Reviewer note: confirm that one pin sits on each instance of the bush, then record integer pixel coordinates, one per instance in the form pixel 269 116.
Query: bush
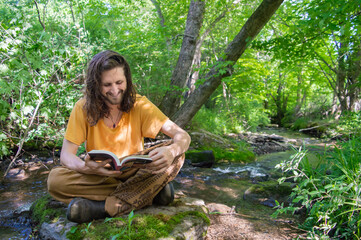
pixel 329 192
pixel 350 123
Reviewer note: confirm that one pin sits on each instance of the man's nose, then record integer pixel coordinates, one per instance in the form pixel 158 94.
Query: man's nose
pixel 113 89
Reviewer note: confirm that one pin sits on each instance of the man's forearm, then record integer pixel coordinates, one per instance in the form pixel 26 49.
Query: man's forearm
pixel 180 144
pixel 72 162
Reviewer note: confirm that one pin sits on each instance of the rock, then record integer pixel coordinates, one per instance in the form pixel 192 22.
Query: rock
pixel 192 221
pixel 190 228
pixel 266 194
pixel 219 208
pixel 265 143
pixel 55 231
pixel 208 139
pixel 203 159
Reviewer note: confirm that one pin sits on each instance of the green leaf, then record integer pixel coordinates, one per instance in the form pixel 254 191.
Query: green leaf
pixel 28 109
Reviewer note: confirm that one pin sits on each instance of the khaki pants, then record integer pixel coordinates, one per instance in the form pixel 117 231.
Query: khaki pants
pixel 134 190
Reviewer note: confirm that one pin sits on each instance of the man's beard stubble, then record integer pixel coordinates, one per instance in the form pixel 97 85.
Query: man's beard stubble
pixel 114 101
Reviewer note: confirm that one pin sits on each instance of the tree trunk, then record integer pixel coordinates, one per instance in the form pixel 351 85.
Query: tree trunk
pixel 162 23
pixel 172 98
pixel 354 75
pixel 299 101
pixel 194 74
pixel 280 101
pixel 233 52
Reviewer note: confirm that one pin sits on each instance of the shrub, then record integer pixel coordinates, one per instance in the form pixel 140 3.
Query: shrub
pixel 329 192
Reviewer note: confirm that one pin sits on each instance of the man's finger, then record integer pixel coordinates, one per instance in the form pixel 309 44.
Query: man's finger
pixel 105 162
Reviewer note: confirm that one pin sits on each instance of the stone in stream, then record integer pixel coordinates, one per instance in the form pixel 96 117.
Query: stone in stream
pixel 203 159
pixel 267 193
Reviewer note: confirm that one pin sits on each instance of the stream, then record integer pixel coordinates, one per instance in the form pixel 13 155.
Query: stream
pixel 224 183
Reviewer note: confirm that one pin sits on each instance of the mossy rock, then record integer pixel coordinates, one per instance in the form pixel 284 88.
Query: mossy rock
pixel 267 192
pixel 204 139
pixel 183 219
pixel 272 188
pixel 176 221
pixel 46 209
pixel 140 227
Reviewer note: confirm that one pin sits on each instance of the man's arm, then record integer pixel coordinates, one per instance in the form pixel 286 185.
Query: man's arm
pixel 69 159
pixel 164 156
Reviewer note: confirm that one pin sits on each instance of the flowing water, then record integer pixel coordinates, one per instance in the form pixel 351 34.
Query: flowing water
pixel 224 183
pixel 17 193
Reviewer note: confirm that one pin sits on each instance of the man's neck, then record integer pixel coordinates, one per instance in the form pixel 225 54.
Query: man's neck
pixel 113 108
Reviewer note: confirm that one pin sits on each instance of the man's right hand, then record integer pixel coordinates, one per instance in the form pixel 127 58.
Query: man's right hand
pixel 70 160
pixel 98 168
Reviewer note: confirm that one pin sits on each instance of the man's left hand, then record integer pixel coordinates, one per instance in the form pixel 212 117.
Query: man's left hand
pixel 162 159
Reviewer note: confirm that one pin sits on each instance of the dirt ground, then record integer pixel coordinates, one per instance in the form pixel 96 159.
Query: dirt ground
pixel 229 225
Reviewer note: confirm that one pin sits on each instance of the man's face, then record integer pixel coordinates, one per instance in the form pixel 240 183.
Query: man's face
pixel 113 85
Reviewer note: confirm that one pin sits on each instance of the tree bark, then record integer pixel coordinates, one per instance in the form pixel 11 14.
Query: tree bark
pixel 299 101
pixel 223 67
pixel 347 71
pixel 161 22
pixel 194 75
pixel 172 98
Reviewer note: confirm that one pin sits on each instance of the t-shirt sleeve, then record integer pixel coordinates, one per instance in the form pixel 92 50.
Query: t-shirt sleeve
pixel 76 131
pixel 152 118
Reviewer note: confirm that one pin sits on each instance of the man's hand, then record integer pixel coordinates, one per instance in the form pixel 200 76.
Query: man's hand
pixel 162 159
pixel 98 168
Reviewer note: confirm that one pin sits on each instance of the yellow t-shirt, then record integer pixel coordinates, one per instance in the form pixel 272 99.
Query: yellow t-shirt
pixel 143 120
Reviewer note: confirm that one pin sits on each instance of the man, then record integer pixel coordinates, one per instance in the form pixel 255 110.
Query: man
pixel 111 116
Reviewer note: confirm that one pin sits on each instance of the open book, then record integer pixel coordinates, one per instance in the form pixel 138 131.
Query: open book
pixel 116 163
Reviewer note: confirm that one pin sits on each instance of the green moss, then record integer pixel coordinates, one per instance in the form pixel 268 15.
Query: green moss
pixel 178 218
pixel 272 188
pixel 230 155
pixel 143 227
pixel 41 211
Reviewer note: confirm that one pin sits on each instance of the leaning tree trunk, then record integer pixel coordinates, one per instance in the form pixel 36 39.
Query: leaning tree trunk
pixel 223 67
pixel 194 71
pixel 172 98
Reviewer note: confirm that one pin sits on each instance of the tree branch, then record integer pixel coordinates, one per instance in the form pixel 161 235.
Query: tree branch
pixel 37 8
pixel 159 12
pixel 25 135
pixel 233 52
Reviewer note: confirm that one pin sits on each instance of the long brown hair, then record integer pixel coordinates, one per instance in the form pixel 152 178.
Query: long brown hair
pixel 95 106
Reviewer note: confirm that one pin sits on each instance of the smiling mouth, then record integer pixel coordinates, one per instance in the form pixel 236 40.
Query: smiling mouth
pixel 119 94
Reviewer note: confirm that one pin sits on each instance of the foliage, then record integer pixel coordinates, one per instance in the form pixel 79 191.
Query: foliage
pixel 241 115
pixel 350 124
pixel 328 191
pixel 40 69
pixel 45 46
pixel 133 227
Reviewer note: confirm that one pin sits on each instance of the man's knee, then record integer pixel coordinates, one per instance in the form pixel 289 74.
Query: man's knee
pixel 56 182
